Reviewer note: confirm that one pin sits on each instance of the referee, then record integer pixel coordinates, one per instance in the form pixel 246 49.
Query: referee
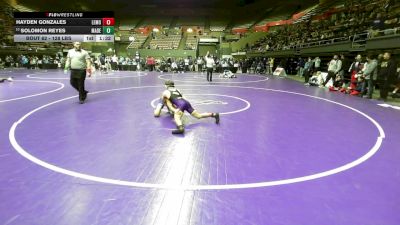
pixel 78 61
pixel 209 64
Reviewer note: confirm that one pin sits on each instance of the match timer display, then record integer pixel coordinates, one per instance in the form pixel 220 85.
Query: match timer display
pixel 64 26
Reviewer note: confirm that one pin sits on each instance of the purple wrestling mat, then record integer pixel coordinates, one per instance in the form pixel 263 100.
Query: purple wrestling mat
pixel 283 154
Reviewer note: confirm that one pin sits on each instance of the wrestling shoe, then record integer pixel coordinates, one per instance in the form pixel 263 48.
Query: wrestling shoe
pixel 179 130
pixel 216 116
pixel 85 95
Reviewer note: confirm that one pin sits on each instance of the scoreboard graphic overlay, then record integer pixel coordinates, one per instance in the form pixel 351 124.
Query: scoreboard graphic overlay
pixel 64 26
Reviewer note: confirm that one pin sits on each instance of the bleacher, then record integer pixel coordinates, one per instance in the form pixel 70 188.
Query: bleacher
pixel 348 23
pixel 217 28
pixel 138 42
pixel 165 42
pixel 123 35
pixel 318 9
pixel 242 26
pixel 218 24
pixel 272 19
pixel 191 42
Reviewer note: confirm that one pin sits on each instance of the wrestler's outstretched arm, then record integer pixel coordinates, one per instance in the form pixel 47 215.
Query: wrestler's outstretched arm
pixel 159 106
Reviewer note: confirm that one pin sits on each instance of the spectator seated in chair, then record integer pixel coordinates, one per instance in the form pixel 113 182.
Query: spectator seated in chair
pixel 337 84
pixel 355 87
pixel 316 79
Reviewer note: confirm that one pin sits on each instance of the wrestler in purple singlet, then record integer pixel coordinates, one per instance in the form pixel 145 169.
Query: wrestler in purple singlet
pixel 180 103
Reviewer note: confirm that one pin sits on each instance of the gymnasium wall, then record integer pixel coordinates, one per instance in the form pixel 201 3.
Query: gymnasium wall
pixel 203 49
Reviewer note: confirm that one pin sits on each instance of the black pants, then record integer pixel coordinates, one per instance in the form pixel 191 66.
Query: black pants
pixel 306 74
pixel 384 88
pixel 209 74
pixel 113 65
pixel 77 81
pixel 330 75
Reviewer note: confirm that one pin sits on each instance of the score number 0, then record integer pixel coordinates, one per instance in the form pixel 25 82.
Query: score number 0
pixel 108 21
